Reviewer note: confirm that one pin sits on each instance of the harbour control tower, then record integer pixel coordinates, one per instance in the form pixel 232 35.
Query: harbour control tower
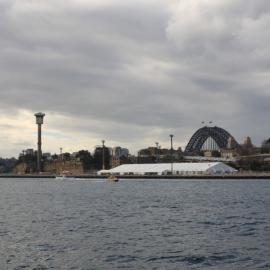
pixel 39 121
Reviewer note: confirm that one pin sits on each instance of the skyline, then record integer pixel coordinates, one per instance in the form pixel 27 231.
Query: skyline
pixel 132 72
pixel 91 149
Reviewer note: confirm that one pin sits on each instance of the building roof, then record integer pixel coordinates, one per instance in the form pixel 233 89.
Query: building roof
pixel 211 167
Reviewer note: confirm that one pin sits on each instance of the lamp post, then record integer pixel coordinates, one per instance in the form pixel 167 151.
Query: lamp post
pixel 103 154
pixel 39 121
pixel 61 153
pixel 157 153
pixel 171 136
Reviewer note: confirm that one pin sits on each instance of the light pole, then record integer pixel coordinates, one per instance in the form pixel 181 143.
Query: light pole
pixel 171 136
pixel 61 153
pixel 157 157
pixel 39 121
pixel 103 154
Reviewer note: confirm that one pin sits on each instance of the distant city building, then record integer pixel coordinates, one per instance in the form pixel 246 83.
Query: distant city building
pixel 247 142
pixel 247 148
pixel 30 151
pixel 266 146
pixel 72 167
pixel 211 153
pixel 230 153
pixel 150 151
pixel 47 156
pixel 74 154
pixel 120 152
pixel 27 162
pixel 119 156
pixel 232 144
pixel 24 168
pixel 158 155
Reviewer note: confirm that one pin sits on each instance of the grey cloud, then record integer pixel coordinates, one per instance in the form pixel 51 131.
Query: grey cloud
pixel 142 65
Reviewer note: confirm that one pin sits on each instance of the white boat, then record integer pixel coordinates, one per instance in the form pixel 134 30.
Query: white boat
pixel 113 178
pixel 61 177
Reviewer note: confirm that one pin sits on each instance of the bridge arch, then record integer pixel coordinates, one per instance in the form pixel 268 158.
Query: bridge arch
pixel 219 135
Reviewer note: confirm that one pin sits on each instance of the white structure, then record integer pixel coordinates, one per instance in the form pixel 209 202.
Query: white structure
pixel 165 168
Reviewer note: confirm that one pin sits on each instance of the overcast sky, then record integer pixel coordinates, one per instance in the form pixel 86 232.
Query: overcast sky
pixel 132 71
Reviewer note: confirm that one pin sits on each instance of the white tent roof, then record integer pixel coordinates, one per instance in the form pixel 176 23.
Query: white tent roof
pixel 211 167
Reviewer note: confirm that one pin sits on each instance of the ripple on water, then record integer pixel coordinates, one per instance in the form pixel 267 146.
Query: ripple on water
pixel 134 225
pixel 196 259
pixel 265 265
pixel 21 267
pixel 121 258
pixel 4 233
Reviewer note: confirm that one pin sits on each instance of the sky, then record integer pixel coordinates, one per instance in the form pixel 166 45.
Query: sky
pixel 132 72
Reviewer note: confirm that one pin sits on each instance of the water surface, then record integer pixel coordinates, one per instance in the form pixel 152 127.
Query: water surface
pixel 134 224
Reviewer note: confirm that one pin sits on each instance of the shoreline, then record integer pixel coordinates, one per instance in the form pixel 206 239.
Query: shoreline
pixel 92 176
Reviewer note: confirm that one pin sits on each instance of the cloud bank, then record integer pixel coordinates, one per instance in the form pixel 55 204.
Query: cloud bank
pixel 132 72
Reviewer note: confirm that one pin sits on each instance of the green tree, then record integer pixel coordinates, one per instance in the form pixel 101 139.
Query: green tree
pixel 86 158
pixel 98 158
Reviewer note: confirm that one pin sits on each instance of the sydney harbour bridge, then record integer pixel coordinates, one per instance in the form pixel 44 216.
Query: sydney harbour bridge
pixel 208 138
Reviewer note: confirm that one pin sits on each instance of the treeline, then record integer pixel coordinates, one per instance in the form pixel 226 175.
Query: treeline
pixel 7 164
pixel 90 162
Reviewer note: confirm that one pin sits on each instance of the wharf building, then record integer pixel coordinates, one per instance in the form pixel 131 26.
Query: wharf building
pixel 159 155
pixel 236 151
pixel 51 164
pixel 59 166
pixel 27 162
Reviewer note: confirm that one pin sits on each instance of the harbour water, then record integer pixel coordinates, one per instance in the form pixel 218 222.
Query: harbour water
pixel 134 224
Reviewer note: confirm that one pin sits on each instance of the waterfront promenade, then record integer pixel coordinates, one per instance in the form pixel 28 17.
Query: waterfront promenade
pixel 244 175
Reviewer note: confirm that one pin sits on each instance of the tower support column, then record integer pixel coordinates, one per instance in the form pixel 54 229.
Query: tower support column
pixel 39 121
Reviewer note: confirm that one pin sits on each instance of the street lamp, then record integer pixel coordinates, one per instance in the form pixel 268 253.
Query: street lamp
pixel 61 153
pixel 157 157
pixel 103 154
pixel 39 121
pixel 171 136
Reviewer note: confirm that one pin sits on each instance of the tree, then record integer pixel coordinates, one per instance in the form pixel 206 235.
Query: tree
pixel 98 158
pixel 86 158
pixel 66 156
pixel 7 165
